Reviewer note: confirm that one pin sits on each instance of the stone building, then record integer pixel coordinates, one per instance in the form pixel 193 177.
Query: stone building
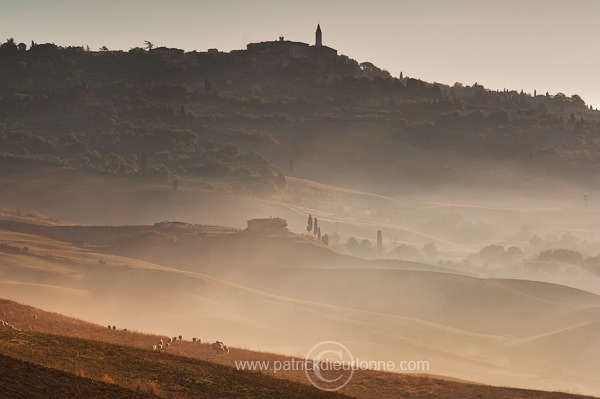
pixel 285 49
pixel 267 226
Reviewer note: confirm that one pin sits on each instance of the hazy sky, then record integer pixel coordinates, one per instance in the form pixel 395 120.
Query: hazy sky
pixel 546 45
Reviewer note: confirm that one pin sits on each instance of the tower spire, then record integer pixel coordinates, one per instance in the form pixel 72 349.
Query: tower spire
pixel 319 36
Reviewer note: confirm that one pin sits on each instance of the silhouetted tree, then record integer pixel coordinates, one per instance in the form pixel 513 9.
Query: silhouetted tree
pixel 22 47
pixel 319 234
pixel 9 48
pixel 577 100
pixel 310 223
pixel 103 48
pixel 148 45
pixel 315 226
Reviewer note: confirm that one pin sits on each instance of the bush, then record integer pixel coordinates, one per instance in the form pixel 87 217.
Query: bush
pixel 561 255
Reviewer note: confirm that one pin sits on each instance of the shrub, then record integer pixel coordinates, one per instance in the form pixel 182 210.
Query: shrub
pixel 561 255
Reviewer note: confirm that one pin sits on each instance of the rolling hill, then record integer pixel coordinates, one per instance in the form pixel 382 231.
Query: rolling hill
pixel 465 327
pixel 187 369
pixel 459 227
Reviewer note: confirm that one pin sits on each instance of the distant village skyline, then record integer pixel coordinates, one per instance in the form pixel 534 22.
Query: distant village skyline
pixel 543 45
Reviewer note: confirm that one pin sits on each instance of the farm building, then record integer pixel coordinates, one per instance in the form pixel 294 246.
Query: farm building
pixel 267 226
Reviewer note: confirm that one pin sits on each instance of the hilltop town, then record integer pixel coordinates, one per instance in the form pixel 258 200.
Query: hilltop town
pixel 280 51
pixel 243 120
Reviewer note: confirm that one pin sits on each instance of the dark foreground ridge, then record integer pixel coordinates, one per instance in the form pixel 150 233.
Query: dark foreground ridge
pixel 20 379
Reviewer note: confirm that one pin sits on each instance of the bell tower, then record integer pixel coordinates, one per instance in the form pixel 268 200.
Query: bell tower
pixel 318 36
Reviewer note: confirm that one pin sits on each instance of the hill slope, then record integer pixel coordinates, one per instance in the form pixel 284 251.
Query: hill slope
pixel 138 113
pixel 381 314
pixel 171 376
pixel 178 375
pixel 20 379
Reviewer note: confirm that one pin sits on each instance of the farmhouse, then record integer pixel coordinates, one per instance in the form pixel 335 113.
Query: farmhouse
pixel 267 226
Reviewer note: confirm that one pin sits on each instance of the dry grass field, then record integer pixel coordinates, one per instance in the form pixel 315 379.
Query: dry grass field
pixel 192 370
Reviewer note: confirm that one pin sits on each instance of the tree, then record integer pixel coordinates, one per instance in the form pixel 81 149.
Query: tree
pixel 148 45
pixel 310 224
pixel 367 66
pixel 577 100
pixel 22 47
pixel 379 240
pixel 103 48
pixel 513 252
pixel 315 226
pixel 325 239
pixel 9 48
pixel 561 255
pixel 352 245
pixel 319 234
pixel 492 253
pixel 366 249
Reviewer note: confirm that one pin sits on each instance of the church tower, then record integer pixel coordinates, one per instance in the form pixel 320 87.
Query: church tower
pixel 319 36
